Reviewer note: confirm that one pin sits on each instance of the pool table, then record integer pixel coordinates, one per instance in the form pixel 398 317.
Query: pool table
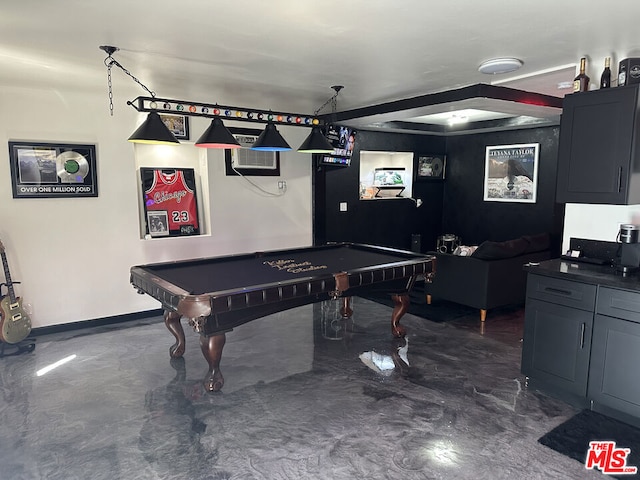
pixel 220 293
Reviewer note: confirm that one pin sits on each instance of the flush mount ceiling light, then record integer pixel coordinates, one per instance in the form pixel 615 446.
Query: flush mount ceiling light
pixel 456 119
pixel 500 65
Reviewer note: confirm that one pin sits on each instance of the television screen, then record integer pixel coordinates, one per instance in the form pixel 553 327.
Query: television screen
pixel 342 140
pixel 388 177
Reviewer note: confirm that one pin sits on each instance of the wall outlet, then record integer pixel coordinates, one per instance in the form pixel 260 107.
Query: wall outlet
pixel 282 184
pixel 343 206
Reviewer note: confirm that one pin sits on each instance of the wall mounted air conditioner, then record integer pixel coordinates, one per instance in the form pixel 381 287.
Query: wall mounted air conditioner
pixel 246 158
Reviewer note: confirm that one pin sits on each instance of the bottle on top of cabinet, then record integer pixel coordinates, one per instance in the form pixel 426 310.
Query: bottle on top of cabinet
pixel 605 78
pixel 581 82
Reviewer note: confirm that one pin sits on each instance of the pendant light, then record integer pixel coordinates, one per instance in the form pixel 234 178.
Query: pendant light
pixel 217 136
pixel 270 140
pixel 154 131
pixel 316 142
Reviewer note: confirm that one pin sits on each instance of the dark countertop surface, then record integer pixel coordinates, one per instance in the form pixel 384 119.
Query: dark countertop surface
pixel 587 273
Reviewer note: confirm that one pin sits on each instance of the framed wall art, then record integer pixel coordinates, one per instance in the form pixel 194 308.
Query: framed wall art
pixel 429 167
pixel 177 124
pixel 511 173
pixel 49 170
pixel 170 202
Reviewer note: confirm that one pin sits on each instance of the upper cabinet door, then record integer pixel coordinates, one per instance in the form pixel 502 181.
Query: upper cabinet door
pixel 597 156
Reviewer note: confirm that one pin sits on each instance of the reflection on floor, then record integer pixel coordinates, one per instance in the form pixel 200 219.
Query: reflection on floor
pixel 298 403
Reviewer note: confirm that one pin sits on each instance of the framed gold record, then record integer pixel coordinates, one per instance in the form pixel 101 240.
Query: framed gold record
pixel 72 167
pixel 46 170
pixel 429 167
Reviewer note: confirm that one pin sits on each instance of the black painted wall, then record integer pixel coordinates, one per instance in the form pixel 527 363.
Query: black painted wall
pixel 387 222
pixel 467 215
pixel 454 205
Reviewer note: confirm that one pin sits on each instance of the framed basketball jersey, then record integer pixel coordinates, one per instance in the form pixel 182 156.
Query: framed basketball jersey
pixel 170 204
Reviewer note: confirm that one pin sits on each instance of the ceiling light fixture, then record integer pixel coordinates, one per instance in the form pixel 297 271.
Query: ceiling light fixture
pixel 153 130
pixel 316 142
pixel 270 140
pixel 217 136
pixel 456 119
pixel 500 65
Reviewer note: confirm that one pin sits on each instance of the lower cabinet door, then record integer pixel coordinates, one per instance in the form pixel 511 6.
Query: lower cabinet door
pixel 614 380
pixel 557 341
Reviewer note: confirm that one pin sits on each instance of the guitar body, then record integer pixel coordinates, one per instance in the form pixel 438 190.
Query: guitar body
pixel 15 324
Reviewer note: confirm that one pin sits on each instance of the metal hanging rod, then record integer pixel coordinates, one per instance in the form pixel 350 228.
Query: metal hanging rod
pixel 209 110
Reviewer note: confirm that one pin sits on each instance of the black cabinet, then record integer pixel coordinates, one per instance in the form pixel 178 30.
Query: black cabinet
pixel 614 378
pixel 597 155
pixel 557 335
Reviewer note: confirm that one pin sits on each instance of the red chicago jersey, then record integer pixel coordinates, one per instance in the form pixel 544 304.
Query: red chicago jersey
pixel 170 193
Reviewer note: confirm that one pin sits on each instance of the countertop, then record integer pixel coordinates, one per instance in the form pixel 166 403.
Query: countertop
pixel 586 273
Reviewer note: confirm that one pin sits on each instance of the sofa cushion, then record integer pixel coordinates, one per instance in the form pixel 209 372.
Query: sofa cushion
pixel 537 243
pixel 498 250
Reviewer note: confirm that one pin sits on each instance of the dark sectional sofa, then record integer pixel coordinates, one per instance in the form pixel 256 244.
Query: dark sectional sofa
pixel 492 276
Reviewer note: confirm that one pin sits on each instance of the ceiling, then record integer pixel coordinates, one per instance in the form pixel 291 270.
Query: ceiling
pixel 286 54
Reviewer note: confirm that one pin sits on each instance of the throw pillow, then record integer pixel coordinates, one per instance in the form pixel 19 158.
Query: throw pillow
pixel 498 250
pixel 464 251
pixel 537 243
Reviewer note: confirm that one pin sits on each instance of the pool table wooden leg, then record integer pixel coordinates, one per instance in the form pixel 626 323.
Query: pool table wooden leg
pixel 172 321
pixel 212 350
pixel 345 310
pixel 401 304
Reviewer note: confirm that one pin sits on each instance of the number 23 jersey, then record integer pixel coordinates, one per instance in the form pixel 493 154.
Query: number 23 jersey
pixel 169 192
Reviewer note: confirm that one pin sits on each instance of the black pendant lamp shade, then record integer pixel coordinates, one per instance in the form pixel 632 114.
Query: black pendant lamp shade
pixel 270 140
pixel 316 142
pixel 217 136
pixel 154 131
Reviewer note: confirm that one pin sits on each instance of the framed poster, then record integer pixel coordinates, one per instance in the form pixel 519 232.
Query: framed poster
pixel 511 173
pixel 430 167
pixel 177 124
pixel 49 170
pixel 170 202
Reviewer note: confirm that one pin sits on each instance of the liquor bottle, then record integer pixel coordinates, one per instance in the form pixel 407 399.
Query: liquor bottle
pixel 605 78
pixel 581 82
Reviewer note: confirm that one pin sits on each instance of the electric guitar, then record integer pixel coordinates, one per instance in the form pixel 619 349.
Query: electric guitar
pixel 15 324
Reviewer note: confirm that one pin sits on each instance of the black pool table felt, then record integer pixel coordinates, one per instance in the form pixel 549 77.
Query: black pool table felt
pixel 219 274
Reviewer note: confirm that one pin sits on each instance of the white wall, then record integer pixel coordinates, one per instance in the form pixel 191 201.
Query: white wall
pixel 73 255
pixel 596 222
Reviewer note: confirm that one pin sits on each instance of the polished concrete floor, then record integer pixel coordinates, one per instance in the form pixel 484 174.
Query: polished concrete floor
pixel 305 397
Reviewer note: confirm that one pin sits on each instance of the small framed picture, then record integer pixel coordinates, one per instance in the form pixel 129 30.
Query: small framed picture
pixel 177 124
pixel 429 167
pixel 158 222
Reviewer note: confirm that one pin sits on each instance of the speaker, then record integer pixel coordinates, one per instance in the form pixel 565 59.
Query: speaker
pixel 416 243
